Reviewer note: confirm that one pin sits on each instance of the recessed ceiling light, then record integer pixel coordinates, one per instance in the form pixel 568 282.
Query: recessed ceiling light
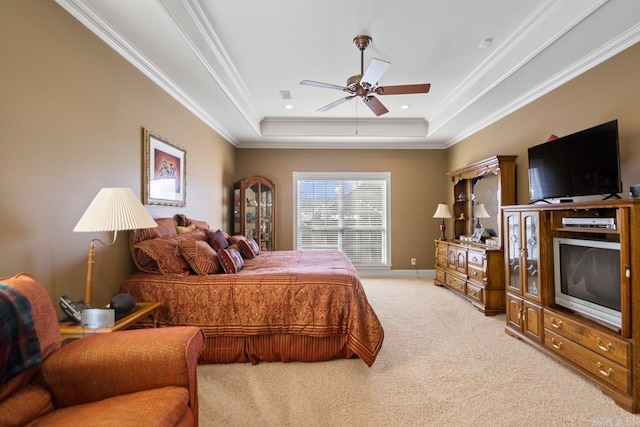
pixel 405 107
pixel 289 107
pixel 485 43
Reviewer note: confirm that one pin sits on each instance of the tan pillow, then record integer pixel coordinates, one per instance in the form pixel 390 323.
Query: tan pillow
pixel 182 229
pixel 200 256
pixel 165 253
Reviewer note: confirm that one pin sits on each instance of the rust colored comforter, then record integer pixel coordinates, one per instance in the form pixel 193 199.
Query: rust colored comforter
pixel 283 305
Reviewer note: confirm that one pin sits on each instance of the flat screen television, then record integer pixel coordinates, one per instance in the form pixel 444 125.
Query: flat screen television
pixel 581 164
pixel 587 277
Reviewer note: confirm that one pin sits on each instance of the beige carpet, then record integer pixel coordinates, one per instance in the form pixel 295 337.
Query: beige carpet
pixel 442 363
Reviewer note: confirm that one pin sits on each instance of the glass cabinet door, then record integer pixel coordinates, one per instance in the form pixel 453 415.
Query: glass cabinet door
pixel 513 247
pixel 266 218
pixel 531 254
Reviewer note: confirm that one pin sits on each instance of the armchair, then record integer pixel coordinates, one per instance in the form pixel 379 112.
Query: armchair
pixel 126 378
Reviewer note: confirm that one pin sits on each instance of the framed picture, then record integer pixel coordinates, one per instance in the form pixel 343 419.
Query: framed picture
pixel 165 170
pixel 477 234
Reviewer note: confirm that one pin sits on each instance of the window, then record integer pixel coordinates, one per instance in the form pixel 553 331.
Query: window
pixel 344 211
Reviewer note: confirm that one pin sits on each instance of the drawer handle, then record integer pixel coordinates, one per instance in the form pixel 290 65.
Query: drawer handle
pixel 460 285
pixel 557 345
pixel 606 373
pixel 603 348
pixel 556 323
pixel 474 272
pixel 474 259
pixel 473 293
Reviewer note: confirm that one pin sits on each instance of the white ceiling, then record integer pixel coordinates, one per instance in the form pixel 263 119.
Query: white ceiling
pixel 228 61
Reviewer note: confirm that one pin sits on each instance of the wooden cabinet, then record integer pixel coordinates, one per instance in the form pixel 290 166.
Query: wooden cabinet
pixel 491 182
pixel 474 272
pixel 474 269
pixel 254 211
pixel 604 352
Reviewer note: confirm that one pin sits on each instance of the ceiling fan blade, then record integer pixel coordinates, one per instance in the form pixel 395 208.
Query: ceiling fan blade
pixel 335 103
pixel 375 70
pixel 403 89
pixel 375 105
pixel 323 85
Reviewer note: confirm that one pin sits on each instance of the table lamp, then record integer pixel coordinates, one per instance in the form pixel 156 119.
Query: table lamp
pixel 442 212
pixel 479 211
pixel 113 209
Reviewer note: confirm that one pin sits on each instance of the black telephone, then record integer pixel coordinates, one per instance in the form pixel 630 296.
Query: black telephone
pixel 73 309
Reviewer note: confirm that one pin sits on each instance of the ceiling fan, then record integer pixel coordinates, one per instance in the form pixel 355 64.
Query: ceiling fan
pixel 365 84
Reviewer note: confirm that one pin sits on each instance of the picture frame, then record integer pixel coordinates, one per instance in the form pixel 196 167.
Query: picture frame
pixel 165 171
pixel 477 234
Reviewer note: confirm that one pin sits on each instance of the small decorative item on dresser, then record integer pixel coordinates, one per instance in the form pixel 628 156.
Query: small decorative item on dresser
pixel 442 212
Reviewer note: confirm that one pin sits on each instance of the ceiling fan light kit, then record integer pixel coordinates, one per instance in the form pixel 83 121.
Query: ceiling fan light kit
pixel 365 84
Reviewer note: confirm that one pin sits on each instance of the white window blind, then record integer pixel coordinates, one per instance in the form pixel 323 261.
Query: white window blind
pixel 344 211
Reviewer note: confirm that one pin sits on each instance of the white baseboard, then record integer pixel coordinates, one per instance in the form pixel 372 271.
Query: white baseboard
pixel 422 274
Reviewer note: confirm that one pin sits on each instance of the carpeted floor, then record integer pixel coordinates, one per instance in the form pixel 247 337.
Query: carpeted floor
pixel 442 364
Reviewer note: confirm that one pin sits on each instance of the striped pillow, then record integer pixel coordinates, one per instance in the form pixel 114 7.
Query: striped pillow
pixel 231 260
pixel 249 248
pixel 201 257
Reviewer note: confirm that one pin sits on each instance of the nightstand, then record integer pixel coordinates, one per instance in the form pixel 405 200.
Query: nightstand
pixel 140 311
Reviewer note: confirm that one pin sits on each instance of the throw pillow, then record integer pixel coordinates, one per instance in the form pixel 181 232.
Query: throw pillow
pixel 200 256
pixel 185 229
pixel 249 248
pixel 165 254
pixel 217 240
pixel 231 260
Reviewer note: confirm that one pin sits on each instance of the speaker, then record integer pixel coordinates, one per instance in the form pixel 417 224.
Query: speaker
pixel 634 191
pixel 122 304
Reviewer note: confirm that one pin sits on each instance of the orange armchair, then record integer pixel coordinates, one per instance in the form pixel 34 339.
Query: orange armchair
pixel 126 378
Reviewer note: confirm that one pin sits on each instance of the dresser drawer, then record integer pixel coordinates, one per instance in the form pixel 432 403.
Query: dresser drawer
pixel 601 342
pixel 440 276
pixel 475 273
pixel 603 368
pixel 476 259
pixel 474 292
pixel 456 283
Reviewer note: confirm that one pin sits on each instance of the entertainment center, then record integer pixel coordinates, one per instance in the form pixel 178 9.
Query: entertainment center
pixel 571 290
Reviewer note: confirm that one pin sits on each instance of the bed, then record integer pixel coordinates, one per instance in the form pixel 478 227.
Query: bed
pixel 278 306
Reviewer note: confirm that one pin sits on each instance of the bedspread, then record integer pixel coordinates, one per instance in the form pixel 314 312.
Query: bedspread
pixel 308 293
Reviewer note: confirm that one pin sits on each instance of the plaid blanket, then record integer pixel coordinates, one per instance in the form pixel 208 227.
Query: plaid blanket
pixel 19 345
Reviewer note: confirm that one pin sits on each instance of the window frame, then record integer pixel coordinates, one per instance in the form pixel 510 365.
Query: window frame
pixel 347 176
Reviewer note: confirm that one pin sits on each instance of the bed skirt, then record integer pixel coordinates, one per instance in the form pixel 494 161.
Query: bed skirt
pixel 273 348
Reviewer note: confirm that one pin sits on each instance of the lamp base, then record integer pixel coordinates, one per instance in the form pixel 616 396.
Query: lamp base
pixel 442 228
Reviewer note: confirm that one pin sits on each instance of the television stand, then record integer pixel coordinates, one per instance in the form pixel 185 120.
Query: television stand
pixel 606 354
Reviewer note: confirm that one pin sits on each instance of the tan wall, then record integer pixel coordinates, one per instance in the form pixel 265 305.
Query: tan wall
pixel 609 91
pixel 72 112
pixel 418 184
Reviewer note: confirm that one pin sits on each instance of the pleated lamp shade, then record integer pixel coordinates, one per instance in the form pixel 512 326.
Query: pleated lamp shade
pixel 115 209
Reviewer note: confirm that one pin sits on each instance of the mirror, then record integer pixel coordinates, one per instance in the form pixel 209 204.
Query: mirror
pixel 485 190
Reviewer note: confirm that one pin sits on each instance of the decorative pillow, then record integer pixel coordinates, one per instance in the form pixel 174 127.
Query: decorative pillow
pixel 231 260
pixel 165 254
pixel 249 248
pixel 200 256
pixel 217 240
pixel 236 238
pixel 166 227
pixel 185 229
